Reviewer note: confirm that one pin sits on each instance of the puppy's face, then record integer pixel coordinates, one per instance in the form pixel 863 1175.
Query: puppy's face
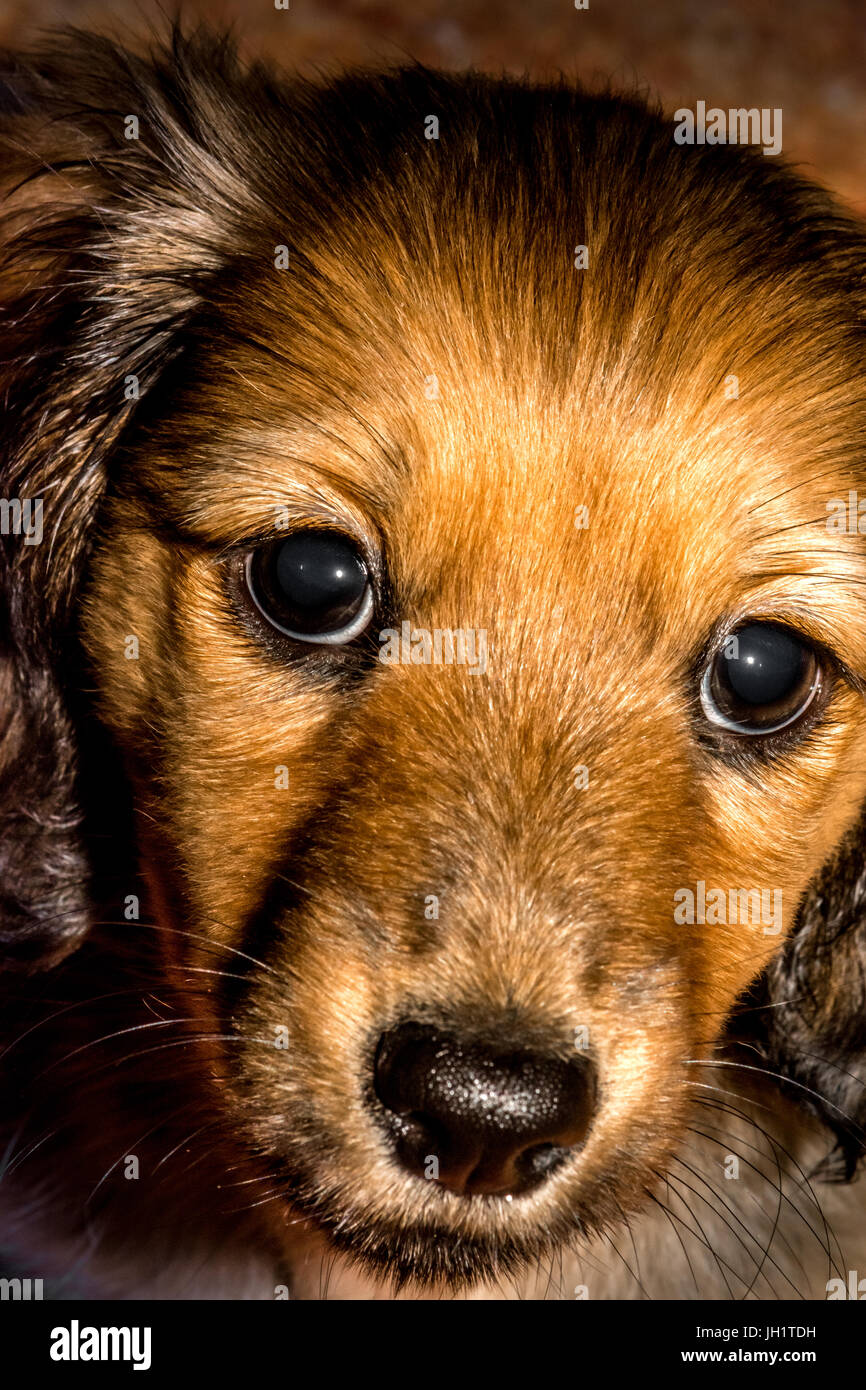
pixel 459 997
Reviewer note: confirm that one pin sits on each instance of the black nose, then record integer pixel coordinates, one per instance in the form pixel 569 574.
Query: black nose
pixel 476 1119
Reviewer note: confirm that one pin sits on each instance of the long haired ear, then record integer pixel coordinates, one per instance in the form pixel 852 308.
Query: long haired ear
pixel 123 191
pixel 812 1005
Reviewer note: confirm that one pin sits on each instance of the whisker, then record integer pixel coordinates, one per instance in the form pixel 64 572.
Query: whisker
pixel 778 1233
pixel 733 1213
pixel 777 1076
pixel 673 1227
pixel 803 1182
pixel 189 1138
pixel 702 1237
pixel 109 1037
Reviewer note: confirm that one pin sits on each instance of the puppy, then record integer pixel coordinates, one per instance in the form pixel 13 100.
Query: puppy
pixel 433 667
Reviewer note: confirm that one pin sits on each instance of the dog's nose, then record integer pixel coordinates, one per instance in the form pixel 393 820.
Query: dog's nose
pixel 476 1119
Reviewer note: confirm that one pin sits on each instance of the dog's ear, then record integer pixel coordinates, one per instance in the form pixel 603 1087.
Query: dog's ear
pixel 812 1005
pixel 123 191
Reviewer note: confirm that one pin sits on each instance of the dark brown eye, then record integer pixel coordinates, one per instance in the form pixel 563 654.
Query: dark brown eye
pixel 763 679
pixel 313 586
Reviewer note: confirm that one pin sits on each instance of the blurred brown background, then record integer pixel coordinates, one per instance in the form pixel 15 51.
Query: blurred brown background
pixel 806 56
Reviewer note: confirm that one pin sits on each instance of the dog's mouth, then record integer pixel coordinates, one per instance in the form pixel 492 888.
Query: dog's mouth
pixel 406 1232
pixel 420 1234
pixel 461 1163
pixel 424 1252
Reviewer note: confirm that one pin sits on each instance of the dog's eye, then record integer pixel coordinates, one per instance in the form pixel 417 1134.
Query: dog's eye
pixel 762 680
pixel 313 586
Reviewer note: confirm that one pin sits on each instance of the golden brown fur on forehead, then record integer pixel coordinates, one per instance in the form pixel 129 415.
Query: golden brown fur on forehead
pixel 555 388
pixel 705 264
pixel 692 514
